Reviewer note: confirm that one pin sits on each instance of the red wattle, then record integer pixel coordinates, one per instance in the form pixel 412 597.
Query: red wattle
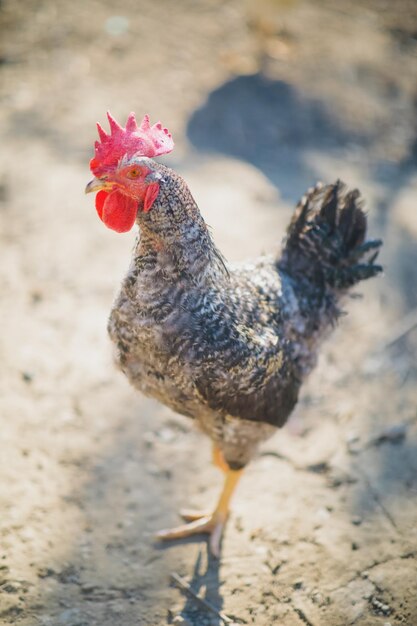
pixel 117 211
pixel 100 200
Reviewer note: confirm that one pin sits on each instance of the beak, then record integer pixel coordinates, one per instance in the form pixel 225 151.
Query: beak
pixel 98 184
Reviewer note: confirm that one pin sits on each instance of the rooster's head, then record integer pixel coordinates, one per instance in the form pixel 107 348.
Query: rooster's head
pixel 124 177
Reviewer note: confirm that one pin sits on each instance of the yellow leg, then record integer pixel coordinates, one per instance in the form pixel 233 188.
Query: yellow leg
pixel 212 523
pixel 190 515
pixel 218 459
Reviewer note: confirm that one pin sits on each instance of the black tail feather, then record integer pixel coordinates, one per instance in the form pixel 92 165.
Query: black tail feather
pixel 326 239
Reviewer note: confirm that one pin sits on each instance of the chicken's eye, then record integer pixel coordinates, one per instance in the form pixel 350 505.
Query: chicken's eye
pixel 134 172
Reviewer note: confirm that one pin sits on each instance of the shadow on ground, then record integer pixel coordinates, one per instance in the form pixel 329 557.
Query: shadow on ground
pixel 270 124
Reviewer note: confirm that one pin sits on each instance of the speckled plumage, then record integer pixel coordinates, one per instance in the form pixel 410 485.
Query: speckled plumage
pixel 230 345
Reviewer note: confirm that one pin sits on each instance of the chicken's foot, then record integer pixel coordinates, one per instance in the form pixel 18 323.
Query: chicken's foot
pixel 213 523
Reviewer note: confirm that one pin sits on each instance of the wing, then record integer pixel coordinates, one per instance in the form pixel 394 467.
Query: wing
pixel 248 370
pixel 259 385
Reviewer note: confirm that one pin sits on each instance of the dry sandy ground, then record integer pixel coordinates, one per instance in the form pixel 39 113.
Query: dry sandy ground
pixel 263 98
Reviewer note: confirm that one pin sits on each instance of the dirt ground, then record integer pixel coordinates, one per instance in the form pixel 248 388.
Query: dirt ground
pixel 263 98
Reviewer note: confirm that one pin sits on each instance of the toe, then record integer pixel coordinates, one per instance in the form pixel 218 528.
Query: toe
pixel 201 525
pixel 216 539
pixel 190 515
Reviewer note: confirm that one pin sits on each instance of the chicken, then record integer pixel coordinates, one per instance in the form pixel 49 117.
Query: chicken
pixel 226 345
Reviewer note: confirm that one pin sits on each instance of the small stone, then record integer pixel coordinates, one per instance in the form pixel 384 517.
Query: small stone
pixel 117 25
pixel 318 468
pixel 380 607
pixel 27 377
pixel 36 296
pixel 45 572
pixel 319 599
pixel 356 521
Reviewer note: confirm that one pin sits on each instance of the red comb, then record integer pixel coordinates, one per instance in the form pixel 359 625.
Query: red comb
pixel 145 140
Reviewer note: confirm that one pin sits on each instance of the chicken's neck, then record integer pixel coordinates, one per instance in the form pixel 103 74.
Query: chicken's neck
pixel 174 239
